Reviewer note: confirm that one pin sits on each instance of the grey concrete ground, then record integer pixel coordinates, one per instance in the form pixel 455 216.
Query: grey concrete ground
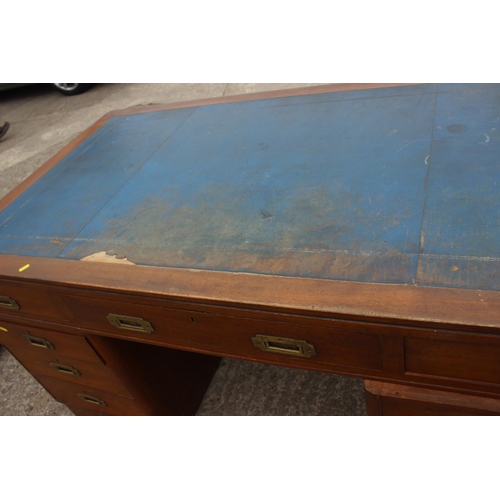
pixel 43 122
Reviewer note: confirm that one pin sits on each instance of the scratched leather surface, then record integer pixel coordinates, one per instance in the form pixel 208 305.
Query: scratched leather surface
pixel 394 185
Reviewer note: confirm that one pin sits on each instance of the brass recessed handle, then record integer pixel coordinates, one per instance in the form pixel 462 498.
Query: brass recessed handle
pixel 92 400
pixel 280 345
pixel 67 370
pixel 8 303
pixel 130 323
pixel 38 342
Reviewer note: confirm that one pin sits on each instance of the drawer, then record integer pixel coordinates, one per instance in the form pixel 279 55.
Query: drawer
pixel 80 411
pixel 36 341
pixel 19 300
pixel 474 358
pixel 89 398
pixel 268 340
pixel 79 372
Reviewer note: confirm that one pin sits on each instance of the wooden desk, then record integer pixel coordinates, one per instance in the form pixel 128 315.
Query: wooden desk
pixel 346 229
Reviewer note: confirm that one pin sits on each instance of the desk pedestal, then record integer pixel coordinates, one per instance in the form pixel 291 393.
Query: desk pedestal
pixel 391 399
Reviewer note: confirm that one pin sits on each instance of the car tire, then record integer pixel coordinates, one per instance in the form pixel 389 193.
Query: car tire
pixel 71 88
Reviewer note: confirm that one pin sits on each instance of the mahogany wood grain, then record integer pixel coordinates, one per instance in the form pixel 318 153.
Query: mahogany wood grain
pixel 467 357
pixel 96 375
pixel 86 412
pixel 391 341
pixel 392 350
pixel 399 400
pixel 373 403
pixel 33 301
pixel 337 342
pixel 67 393
pixel 398 407
pixel 471 310
pixel 72 346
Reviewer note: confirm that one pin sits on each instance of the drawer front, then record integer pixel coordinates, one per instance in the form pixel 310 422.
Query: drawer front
pixel 70 370
pixel 339 343
pixel 28 300
pixel 89 398
pixel 37 342
pixel 80 411
pixel 474 358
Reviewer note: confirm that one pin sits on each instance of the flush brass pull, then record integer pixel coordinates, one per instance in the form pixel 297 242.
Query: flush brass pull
pixel 9 303
pixel 130 323
pixel 67 370
pixel 38 342
pixel 92 399
pixel 280 345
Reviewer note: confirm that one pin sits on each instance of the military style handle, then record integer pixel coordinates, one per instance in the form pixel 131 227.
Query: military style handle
pixel 130 323
pixel 92 400
pixel 8 303
pixel 67 370
pixel 38 342
pixel 280 345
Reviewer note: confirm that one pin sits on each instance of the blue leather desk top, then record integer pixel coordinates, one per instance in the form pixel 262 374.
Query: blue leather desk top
pixel 391 185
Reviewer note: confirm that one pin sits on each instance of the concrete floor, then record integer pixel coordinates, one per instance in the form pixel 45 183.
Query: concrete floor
pixel 43 122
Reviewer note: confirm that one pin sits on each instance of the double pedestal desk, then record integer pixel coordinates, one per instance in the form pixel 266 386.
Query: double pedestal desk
pixel 346 229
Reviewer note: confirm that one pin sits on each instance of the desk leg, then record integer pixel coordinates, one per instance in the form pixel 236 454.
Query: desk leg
pixel 391 399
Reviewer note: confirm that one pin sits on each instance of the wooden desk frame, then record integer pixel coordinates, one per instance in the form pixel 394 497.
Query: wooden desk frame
pixel 428 312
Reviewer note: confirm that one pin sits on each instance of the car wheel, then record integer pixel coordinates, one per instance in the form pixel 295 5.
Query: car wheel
pixel 71 88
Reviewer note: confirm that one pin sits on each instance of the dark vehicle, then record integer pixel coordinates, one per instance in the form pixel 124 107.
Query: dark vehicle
pixel 64 88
